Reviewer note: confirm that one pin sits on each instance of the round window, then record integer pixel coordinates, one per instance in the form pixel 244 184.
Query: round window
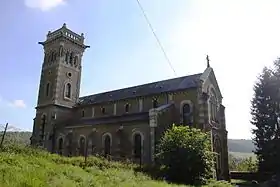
pixel 69 74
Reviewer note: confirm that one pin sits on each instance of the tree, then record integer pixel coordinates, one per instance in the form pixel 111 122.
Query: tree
pixel 265 111
pixel 185 154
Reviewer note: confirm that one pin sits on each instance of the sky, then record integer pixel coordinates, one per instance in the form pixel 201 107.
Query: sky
pixel 240 37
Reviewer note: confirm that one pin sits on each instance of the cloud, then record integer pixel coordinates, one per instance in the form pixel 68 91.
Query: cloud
pixel 17 104
pixel 44 5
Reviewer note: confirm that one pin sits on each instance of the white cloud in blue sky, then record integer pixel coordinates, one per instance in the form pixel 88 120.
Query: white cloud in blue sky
pixel 44 5
pixel 18 103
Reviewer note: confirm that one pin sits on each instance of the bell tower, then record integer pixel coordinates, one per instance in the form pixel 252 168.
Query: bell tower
pixel 59 87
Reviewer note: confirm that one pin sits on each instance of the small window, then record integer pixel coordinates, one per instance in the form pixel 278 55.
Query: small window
pixel 126 107
pixel 83 113
pixel 48 89
pixel 155 103
pixel 68 90
pixel 103 110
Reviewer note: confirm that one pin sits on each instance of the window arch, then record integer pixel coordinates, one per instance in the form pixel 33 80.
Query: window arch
pixel 126 108
pixel 155 103
pixel 213 105
pixel 67 57
pixel 76 60
pixel 48 89
pixel 82 145
pixel 107 143
pixel 68 90
pixel 137 142
pixel 69 144
pixel 71 58
pixel 60 145
pixel 186 110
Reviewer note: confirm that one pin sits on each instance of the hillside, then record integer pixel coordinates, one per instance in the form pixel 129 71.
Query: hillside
pixel 240 146
pixel 29 167
pixel 19 138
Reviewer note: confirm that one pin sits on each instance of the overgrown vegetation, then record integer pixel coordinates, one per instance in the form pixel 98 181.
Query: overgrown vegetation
pixel 24 166
pixel 184 155
pixel 242 164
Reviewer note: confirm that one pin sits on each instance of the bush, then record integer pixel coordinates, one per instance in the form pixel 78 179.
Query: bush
pixel 184 155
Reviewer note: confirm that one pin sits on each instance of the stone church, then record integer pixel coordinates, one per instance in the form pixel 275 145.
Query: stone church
pixel 125 123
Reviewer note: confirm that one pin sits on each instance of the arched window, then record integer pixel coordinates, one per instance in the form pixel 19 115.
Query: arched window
pixel 107 145
pixel 186 110
pixel 43 126
pixel 67 57
pixel 103 110
pixel 48 89
pixel 126 108
pixel 68 90
pixel 71 58
pixel 155 103
pixel 83 113
pixel 82 143
pixel 76 60
pixel 69 145
pixel 137 149
pixel 54 56
pixel 60 146
pixel 213 107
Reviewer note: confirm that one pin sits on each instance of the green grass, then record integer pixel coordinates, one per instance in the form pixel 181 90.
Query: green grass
pixel 26 167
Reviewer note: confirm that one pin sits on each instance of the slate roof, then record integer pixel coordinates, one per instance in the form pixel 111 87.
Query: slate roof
pixel 140 116
pixel 170 85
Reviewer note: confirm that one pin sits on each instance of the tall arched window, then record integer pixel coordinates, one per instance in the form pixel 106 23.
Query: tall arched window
pixel 137 149
pixel 48 89
pixel 60 146
pixel 213 107
pixel 71 58
pixel 69 145
pixel 82 143
pixel 67 57
pixel 155 103
pixel 107 145
pixel 68 90
pixel 76 60
pixel 186 111
pixel 126 108
pixel 43 126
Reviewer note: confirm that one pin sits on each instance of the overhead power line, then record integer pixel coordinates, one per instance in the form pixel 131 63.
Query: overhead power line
pixel 157 39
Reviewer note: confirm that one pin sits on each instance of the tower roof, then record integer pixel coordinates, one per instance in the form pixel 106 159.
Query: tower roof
pixel 65 33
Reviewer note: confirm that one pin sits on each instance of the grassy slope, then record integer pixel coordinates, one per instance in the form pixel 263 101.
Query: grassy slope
pixel 20 167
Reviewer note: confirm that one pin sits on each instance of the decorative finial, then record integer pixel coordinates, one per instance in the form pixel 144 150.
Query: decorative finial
pixel 208 61
pixel 82 35
pixel 64 25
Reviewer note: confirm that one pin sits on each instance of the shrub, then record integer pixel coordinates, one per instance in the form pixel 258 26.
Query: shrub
pixel 185 155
